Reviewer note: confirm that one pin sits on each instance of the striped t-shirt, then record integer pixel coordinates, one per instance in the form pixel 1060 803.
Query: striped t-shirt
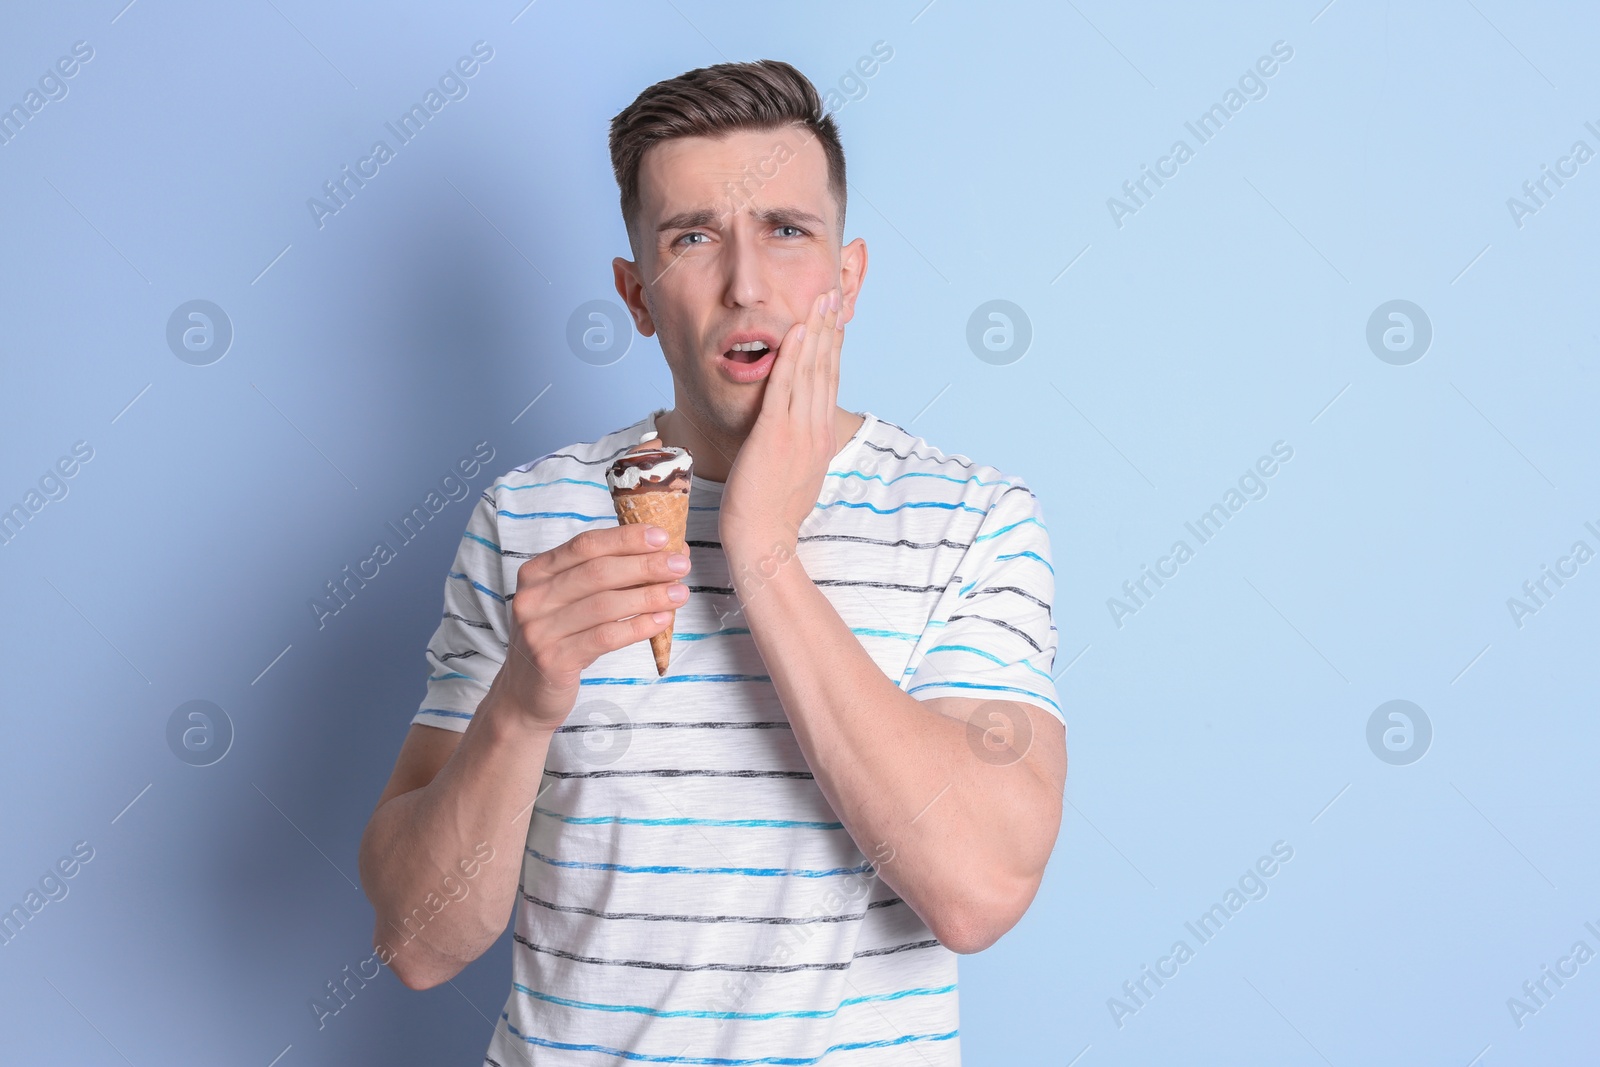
pixel 688 895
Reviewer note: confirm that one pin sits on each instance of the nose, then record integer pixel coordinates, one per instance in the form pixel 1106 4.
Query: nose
pixel 747 283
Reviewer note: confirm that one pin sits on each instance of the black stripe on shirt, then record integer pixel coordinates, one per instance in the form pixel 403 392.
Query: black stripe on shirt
pixel 1011 589
pixel 902 543
pixel 773 920
pixel 855 538
pixel 527 468
pixel 677 772
pixel 1012 489
pixel 760 968
pixel 1003 625
pixel 878 585
pixel 911 453
pixel 578 728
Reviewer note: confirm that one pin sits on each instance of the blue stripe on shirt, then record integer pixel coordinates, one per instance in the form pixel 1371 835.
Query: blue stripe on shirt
pixel 988 656
pixel 861 631
pixel 948 506
pixel 722 1061
pixel 730 631
pixel 478 587
pixel 677 678
pixel 557 481
pixel 914 474
pixel 869 631
pixel 1030 555
pixel 555 515
pixel 481 540
pixel 818 1013
pixel 668 868
pixel 626 820
pixel 442 713
pixel 1013 526
pixel 978 685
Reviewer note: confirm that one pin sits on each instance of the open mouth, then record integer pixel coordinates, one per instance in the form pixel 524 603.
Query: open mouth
pixel 749 352
pixel 747 362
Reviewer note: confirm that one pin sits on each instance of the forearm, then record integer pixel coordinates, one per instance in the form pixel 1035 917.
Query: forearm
pixel 970 838
pixel 421 846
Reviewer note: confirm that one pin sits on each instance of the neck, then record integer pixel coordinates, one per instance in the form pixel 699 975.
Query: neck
pixel 714 454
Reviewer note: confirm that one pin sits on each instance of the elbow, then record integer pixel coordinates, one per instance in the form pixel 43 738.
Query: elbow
pixel 413 963
pixel 412 979
pixel 418 981
pixel 420 975
pixel 974 924
pixel 967 937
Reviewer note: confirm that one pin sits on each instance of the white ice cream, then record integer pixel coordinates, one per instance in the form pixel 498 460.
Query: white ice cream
pixel 671 461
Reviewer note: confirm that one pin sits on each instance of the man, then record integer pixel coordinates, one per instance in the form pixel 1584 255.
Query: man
pixel 852 769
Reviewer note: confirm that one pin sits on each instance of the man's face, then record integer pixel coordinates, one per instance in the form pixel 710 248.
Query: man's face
pixel 736 237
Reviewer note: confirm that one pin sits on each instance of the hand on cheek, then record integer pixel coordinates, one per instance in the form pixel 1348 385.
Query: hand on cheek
pixel 778 475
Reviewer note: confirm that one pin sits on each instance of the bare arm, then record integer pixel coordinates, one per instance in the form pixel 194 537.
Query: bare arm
pixel 967 836
pixel 441 855
pixel 967 826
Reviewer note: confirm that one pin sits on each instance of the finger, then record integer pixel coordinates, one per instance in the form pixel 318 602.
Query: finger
pixel 612 605
pixel 579 650
pixel 780 383
pixel 596 641
pixel 820 409
pixel 828 375
pixel 801 399
pixel 622 539
pixel 604 573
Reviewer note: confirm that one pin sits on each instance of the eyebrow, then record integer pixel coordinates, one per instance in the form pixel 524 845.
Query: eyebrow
pixel 775 216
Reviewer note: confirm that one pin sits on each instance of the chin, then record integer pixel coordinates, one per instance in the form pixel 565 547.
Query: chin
pixel 733 414
pixel 739 419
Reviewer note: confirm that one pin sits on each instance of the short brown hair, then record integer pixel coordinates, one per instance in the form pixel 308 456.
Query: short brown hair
pixel 718 100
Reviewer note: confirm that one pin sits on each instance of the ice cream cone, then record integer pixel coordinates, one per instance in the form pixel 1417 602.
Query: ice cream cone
pixel 650 484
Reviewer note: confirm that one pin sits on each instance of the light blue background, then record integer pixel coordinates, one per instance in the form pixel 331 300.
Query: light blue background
pixel 1227 314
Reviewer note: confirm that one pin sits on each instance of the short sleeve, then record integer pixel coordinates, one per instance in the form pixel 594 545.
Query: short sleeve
pixel 467 649
pixel 996 639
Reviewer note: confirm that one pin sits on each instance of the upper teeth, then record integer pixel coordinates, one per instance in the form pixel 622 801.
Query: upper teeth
pixel 749 346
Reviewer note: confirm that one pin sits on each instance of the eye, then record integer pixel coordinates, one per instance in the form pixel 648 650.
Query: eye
pixel 798 231
pixel 686 236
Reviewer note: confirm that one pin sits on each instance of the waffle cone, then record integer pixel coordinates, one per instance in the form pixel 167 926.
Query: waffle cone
pixel 670 511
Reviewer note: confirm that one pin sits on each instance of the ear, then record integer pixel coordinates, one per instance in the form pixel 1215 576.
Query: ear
pixel 630 286
pixel 852 272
